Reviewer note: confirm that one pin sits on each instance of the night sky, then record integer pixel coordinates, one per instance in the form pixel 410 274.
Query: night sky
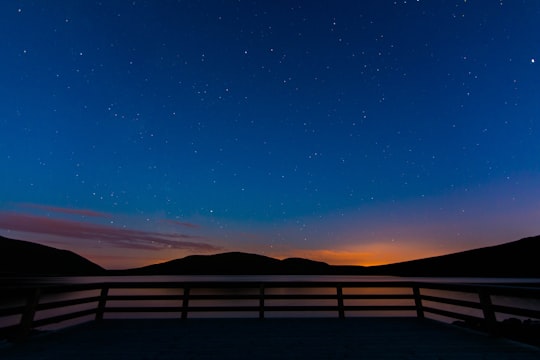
pixel 351 132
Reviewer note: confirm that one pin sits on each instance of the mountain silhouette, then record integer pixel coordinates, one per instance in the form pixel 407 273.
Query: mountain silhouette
pixel 233 263
pixel 19 257
pixel 514 259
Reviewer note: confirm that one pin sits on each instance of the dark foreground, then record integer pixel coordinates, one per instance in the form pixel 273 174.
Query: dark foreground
pixel 289 338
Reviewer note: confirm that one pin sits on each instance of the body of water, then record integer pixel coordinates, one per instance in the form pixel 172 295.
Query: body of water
pixel 51 280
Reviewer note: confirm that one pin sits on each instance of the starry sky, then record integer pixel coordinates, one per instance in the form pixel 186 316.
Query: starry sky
pixel 351 132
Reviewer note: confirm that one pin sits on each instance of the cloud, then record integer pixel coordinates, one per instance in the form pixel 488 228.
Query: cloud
pixel 180 223
pixel 120 237
pixel 63 210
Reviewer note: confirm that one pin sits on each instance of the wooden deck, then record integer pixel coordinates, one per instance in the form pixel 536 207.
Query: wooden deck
pixel 271 338
pixel 121 320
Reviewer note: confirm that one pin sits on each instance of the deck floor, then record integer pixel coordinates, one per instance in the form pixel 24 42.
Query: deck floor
pixel 288 338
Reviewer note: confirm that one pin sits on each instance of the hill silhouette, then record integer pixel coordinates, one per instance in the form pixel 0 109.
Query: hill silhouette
pixel 19 257
pixel 514 259
pixel 233 263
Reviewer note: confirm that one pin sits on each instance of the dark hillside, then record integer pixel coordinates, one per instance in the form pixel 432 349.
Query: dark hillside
pixel 514 259
pixel 519 258
pixel 19 257
pixel 233 263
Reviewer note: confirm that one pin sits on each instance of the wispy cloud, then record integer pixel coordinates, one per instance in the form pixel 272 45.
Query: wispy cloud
pixel 180 223
pixel 120 237
pixel 64 210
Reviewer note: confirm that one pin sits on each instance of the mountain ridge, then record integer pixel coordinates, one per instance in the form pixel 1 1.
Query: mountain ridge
pixel 513 259
pixel 233 263
pixel 19 257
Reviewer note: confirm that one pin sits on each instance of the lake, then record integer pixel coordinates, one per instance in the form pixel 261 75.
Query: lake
pixel 179 278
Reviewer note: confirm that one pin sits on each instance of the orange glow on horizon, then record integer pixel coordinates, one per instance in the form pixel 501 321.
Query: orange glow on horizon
pixel 369 255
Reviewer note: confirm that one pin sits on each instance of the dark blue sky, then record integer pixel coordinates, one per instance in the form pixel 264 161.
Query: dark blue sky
pixel 347 131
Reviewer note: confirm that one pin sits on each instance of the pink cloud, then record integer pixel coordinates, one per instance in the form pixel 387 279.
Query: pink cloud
pixel 126 238
pixel 180 223
pixel 63 210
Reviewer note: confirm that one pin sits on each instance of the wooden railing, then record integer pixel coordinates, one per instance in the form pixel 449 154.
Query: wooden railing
pixel 38 307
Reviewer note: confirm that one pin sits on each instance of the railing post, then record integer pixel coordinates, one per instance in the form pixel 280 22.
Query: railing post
pixel 341 309
pixel 418 302
pixel 102 303
pixel 185 303
pixel 261 301
pixel 487 309
pixel 27 317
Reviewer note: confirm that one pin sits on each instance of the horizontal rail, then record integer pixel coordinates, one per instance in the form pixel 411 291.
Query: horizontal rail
pixel 143 309
pixel 464 303
pixel 516 311
pixel 508 290
pixel 254 308
pixel 66 303
pixel 228 297
pixel 452 314
pixel 63 317
pixel 142 297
